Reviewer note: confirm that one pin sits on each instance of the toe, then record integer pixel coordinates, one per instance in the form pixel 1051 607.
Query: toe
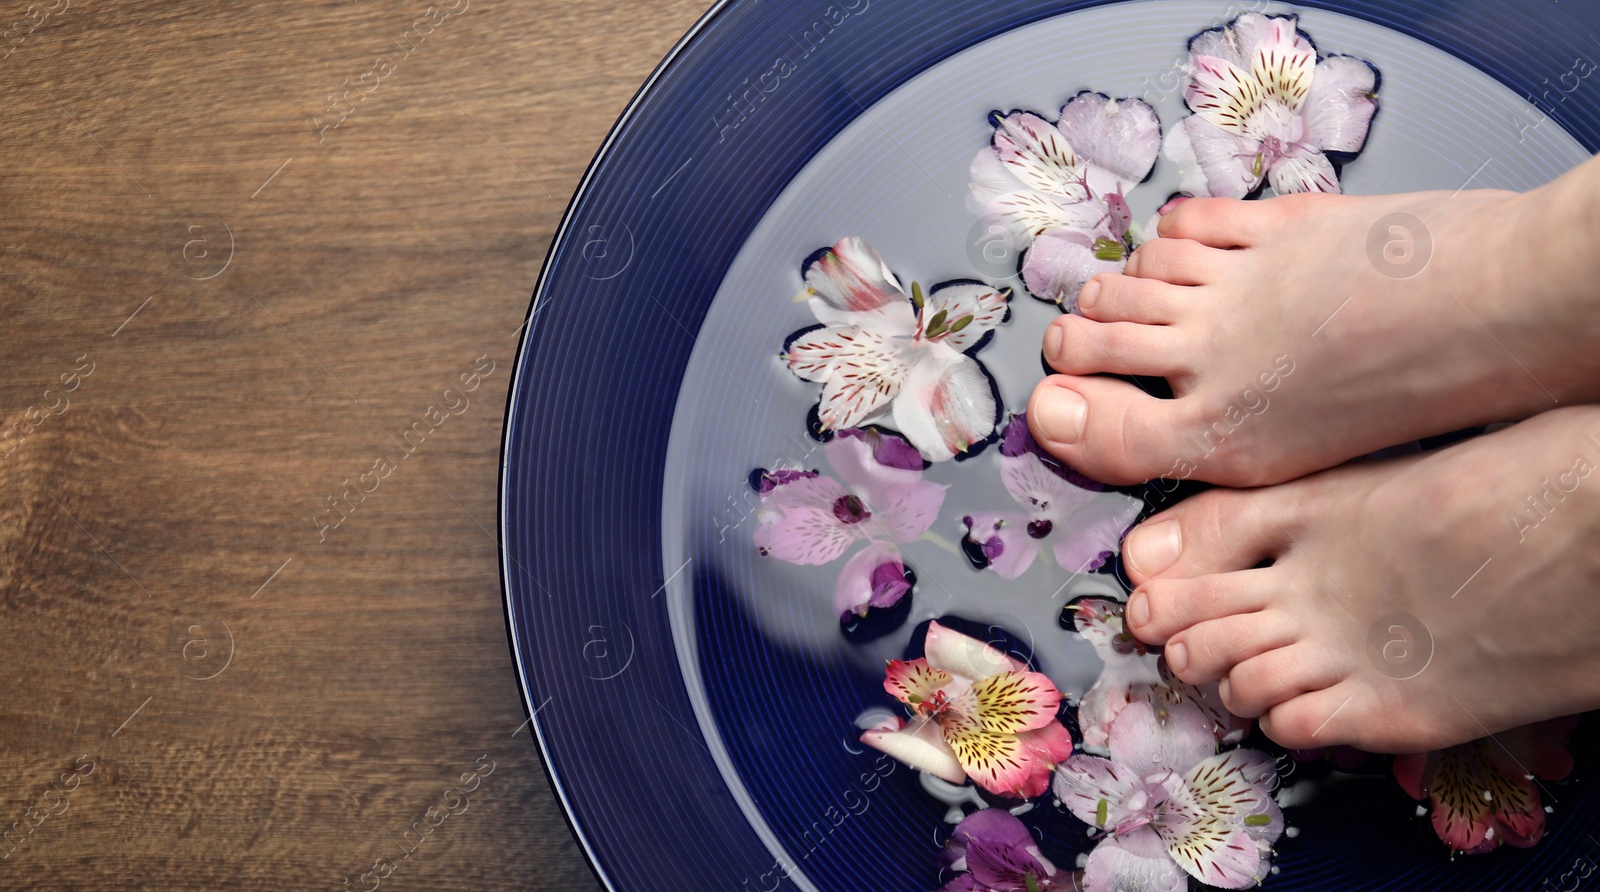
pixel 1218 531
pixel 1109 429
pixel 1328 717
pixel 1219 222
pixel 1162 608
pixel 1079 346
pixel 1302 668
pixel 1177 261
pixel 1113 298
pixel 1211 650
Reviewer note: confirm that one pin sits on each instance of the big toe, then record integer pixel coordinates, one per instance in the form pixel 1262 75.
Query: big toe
pixel 1108 429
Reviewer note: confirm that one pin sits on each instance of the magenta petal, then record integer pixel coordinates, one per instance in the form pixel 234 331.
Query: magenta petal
pixel 1060 262
pixel 874 577
pixel 797 522
pixel 1004 541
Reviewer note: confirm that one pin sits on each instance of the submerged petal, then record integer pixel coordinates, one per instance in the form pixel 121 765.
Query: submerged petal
pixel 1232 164
pixel 875 577
pixel 1121 136
pixel 1084 782
pixel 1148 737
pixel 1060 262
pixel 1092 532
pixel 797 524
pixel 1116 865
pixel 1004 541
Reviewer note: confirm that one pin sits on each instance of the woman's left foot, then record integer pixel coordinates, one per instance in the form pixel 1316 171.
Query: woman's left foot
pixel 1396 606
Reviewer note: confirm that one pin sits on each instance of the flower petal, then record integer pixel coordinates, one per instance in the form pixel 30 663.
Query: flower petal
pixel 1223 94
pixel 914 682
pixel 946 404
pixel 1040 156
pixel 1083 782
pixel 861 371
pixel 796 522
pixel 966 656
pixel 997 762
pixel 1050 745
pixel 1147 737
pixel 1004 540
pixel 1039 489
pixel 999 851
pixel 1283 63
pixel 852 276
pixel 920 744
pixel 1237 785
pixel 1011 702
pixel 1085 537
pixel 1338 111
pixel 1060 262
pixel 854 457
pixel 1121 137
pixel 875 577
pixel 983 307
pixel 1311 172
pixel 1228 727
pixel 1235 42
pixel 1191 175
pixel 1214 852
pixel 1227 160
pixel 1462 814
pixel 1114 866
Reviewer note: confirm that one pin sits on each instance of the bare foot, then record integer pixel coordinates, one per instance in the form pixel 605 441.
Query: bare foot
pixel 1409 604
pixel 1292 342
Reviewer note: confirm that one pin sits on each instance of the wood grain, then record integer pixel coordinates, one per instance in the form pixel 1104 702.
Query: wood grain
pixel 217 308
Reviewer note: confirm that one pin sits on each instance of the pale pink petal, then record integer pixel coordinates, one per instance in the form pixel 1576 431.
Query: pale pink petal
pixel 1085 537
pixel 852 276
pixel 1228 727
pixel 1050 745
pixel 1039 155
pixel 1304 173
pixel 1228 160
pixel 1147 737
pixel 966 656
pixel 1039 490
pixel 1121 137
pixel 861 371
pixel 920 744
pixel 1236 42
pixel 797 522
pixel 874 577
pixel 1004 541
pixel 1116 865
pixel 1024 213
pixel 1338 111
pixel 1223 94
pixel 1060 262
pixel 1236 787
pixel 855 460
pixel 1283 63
pixel 904 513
pixel 1191 176
pixel 946 404
pixel 974 309
pixel 1083 782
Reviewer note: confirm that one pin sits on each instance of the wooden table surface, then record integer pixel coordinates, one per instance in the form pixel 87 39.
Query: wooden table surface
pixel 262 270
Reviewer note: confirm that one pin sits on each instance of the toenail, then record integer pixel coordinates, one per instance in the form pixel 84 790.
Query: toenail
pixel 1054 338
pixel 1089 294
pixel 1177 656
pixel 1061 415
pixel 1139 609
pixel 1153 548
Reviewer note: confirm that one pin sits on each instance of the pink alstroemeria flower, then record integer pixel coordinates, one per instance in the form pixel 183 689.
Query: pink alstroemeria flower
pixel 1169 804
pixel 1481 792
pixel 881 351
pixel 994 852
pixel 1059 505
pixel 806 518
pixel 1266 109
pixel 1059 189
pixel 1134 674
pixel 978 713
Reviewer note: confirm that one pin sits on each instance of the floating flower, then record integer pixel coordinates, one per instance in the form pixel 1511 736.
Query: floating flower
pixel 977 713
pixel 1083 522
pixel 994 852
pixel 1266 110
pixel 1135 674
pixel 882 351
pixel 1059 189
pixel 806 518
pixel 1482 792
pixel 1169 804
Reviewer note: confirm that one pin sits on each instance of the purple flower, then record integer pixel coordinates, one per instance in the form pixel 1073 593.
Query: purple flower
pixel 1058 189
pixel 1083 523
pixel 1265 109
pixel 994 852
pixel 806 518
pixel 882 352
pixel 1169 804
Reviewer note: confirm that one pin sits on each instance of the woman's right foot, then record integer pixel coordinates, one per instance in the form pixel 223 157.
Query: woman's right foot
pixel 1293 344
